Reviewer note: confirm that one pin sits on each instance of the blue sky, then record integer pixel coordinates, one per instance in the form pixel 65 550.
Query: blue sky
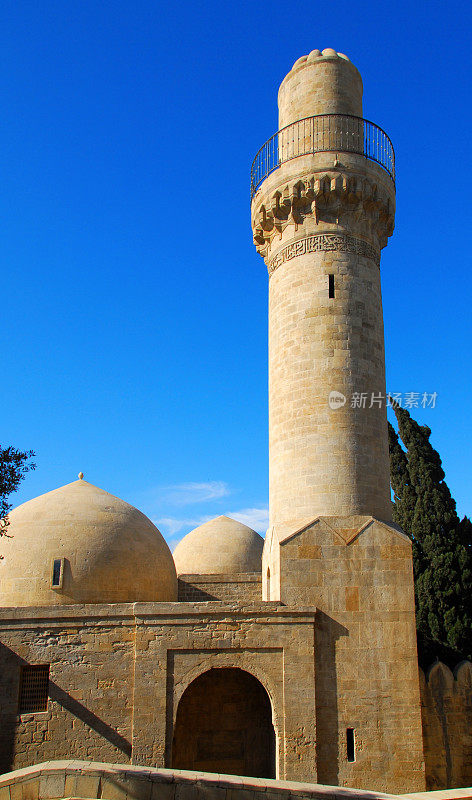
pixel 134 324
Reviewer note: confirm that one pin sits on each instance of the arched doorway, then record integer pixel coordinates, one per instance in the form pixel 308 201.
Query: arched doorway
pixel 224 724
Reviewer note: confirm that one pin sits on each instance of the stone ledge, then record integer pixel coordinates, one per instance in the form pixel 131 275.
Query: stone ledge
pixel 441 794
pixel 131 613
pixel 35 614
pixel 83 780
pixel 240 577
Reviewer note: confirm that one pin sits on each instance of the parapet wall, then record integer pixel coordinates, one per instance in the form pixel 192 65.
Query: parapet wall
pixel 244 587
pixel 55 780
pixel 446 709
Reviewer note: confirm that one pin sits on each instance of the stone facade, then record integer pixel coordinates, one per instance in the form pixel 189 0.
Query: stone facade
pixel 117 674
pixel 358 572
pixel 55 780
pixel 446 705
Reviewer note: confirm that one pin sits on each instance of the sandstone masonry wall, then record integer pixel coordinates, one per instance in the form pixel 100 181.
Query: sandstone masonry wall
pixel 358 572
pixel 58 779
pixel 55 780
pixel 446 707
pixel 91 657
pixel 245 587
pixel 117 674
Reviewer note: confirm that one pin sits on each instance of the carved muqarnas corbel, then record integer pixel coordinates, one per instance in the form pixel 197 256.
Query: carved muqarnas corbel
pixel 334 199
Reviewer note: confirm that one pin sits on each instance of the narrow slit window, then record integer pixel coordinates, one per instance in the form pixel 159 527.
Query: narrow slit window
pixel 331 286
pixel 350 744
pixel 34 689
pixel 268 583
pixel 57 573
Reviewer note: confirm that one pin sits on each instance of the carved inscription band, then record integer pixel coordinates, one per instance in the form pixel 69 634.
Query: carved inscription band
pixel 323 242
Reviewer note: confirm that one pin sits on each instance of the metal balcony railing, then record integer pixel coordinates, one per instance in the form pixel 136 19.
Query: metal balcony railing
pixel 324 133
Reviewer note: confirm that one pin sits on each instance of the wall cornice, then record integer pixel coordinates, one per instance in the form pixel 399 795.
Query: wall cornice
pixel 328 203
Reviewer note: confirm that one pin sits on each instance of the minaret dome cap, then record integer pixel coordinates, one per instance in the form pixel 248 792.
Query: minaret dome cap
pixel 323 82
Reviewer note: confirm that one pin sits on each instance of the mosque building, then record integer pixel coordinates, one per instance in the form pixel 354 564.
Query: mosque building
pixel 292 657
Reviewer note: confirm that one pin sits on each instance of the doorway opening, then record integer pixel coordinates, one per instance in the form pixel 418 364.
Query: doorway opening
pixel 224 724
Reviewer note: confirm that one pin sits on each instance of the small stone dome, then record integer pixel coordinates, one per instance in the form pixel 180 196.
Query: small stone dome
pixel 101 549
pixel 219 547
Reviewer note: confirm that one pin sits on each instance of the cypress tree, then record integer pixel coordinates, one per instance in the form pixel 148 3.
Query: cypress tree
pixel 442 560
pixel 404 494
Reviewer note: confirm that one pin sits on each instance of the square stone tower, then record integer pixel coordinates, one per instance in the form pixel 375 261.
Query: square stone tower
pixel 323 203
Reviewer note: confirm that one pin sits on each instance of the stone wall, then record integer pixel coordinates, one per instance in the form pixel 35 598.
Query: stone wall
pixel 118 672
pixel 358 572
pixel 55 780
pixel 245 587
pixel 446 705
pixel 176 644
pixel 91 657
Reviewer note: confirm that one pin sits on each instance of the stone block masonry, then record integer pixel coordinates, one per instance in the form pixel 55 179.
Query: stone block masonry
pixel 56 780
pixel 446 707
pixel 357 571
pixel 245 587
pixel 118 673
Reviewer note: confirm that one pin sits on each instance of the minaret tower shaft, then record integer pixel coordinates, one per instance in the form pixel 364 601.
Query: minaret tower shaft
pixel 323 200
pixel 322 209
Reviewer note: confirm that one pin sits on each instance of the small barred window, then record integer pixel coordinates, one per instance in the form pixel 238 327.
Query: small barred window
pixel 34 689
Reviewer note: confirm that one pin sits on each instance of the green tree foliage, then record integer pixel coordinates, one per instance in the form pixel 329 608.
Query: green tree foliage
pixel 442 558
pixel 14 464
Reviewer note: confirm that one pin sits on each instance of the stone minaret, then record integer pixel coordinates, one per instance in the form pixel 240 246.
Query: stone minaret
pixel 322 210
pixel 320 221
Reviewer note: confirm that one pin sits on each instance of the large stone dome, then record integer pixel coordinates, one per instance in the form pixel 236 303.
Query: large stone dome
pixel 220 546
pixel 110 551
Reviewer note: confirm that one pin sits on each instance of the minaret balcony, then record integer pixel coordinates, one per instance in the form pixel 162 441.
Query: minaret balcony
pixel 323 133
